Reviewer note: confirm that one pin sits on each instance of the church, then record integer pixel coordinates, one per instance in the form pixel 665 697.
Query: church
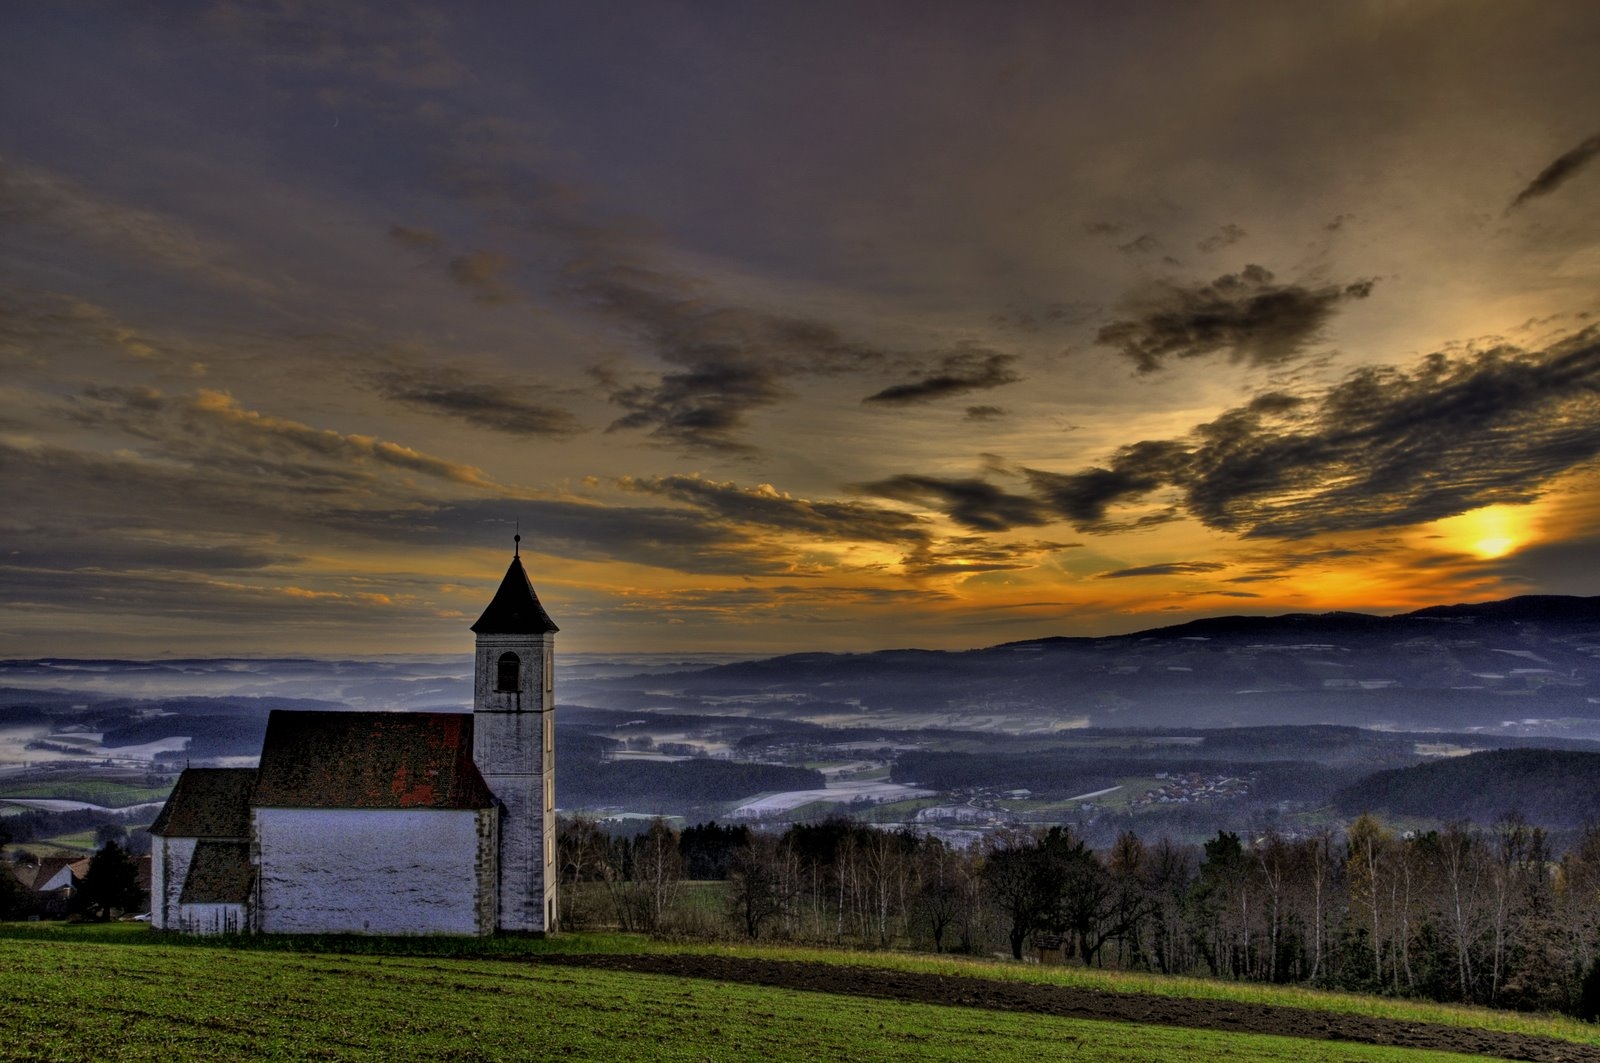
pixel 382 822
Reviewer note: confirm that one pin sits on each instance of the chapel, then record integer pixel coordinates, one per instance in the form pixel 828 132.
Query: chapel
pixel 382 822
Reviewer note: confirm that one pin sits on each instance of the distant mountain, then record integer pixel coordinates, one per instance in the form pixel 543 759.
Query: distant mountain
pixel 1523 666
pixel 1554 788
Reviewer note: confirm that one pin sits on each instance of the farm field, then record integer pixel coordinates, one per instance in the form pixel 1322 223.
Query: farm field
pixel 111 994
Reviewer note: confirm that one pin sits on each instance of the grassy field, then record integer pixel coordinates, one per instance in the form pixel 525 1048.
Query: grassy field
pixel 110 793
pixel 121 993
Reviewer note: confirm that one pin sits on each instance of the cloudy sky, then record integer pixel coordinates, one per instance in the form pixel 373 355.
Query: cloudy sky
pixel 790 325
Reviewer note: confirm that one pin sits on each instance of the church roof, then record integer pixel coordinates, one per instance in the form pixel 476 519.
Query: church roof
pixel 220 873
pixel 369 760
pixel 515 609
pixel 208 803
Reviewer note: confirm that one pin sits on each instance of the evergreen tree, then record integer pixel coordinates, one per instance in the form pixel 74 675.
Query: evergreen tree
pixel 111 885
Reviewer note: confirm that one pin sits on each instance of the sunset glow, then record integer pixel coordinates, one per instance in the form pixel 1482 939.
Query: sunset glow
pixel 789 326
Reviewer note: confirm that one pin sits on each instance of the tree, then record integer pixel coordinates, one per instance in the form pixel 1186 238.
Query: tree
pixel 1027 876
pixel 13 897
pixel 708 849
pixel 658 870
pixel 111 885
pixel 760 887
pixel 941 895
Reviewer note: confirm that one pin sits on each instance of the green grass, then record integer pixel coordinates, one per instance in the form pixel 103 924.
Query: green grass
pixel 83 841
pixel 103 998
pixel 107 792
pixel 486 952
pixel 1194 988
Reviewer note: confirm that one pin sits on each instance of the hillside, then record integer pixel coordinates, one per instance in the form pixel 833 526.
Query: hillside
pixel 1521 666
pixel 120 997
pixel 1553 787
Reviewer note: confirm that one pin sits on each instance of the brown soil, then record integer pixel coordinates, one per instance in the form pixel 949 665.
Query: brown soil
pixel 972 992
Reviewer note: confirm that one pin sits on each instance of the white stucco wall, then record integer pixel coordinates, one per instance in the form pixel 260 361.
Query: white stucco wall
pixel 375 871
pixel 169 864
pixel 210 919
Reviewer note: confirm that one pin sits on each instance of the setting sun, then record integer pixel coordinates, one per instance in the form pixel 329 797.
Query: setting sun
pixel 1490 532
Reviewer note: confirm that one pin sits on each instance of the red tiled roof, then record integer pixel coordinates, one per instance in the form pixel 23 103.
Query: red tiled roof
pixel 208 803
pixel 369 760
pixel 515 609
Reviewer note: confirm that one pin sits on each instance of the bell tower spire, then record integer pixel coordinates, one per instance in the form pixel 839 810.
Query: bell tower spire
pixel 513 743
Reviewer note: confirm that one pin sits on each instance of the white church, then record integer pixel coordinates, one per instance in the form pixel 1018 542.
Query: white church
pixel 382 822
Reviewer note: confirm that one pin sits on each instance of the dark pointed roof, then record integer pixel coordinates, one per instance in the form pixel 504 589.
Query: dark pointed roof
pixel 369 760
pixel 219 873
pixel 515 609
pixel 208 803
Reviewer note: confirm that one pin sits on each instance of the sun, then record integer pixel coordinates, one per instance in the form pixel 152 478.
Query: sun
pixel 1490 532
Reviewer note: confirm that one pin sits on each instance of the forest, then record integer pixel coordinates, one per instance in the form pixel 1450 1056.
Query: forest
pixel 1488 916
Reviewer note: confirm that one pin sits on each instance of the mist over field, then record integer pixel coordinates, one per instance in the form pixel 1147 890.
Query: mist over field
pixel 1228 722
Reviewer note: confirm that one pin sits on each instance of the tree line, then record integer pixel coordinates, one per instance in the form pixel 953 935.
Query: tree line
pixel 1480 915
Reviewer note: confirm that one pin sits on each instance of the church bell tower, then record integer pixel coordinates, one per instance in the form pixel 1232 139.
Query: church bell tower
pixel 513 744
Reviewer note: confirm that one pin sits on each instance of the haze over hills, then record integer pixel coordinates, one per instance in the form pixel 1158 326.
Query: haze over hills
pixel 1208 724
pixel 1522 666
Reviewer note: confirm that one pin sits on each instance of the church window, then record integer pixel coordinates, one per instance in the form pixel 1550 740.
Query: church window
pixel 549 671
pixel 509 676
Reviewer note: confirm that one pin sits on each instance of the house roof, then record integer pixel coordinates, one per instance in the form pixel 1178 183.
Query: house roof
pixel 208 803
pixel 369 760
pixel 515 609
pixel 220 873
pixel 55 873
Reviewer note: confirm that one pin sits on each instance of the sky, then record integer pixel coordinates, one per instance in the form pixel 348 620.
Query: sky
pixel 787 326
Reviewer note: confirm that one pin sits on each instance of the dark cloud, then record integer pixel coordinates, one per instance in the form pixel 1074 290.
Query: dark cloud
pixel 210 430
pixel 701 407
pixel 39 329
pixel 766 507
pixel 665 537
pixel 1386 447
pixel 984 413
pixel 958 373
pixel 1170 568
pixel 1383 448
pixel 1146 244
pixel 971 554
pixel 1559 172
pixel 38 198
pixel 415 239
pixel 399 46
pixel 88 498
pixel 1084 498
pixel 734 360
pixel 1246 314
pixel 1226 236
pixel 977 504
pixel 514 409
pixel 484 272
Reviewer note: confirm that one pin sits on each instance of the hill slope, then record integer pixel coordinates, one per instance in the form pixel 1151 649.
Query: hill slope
pixel 1554 787
pixel 131 1000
